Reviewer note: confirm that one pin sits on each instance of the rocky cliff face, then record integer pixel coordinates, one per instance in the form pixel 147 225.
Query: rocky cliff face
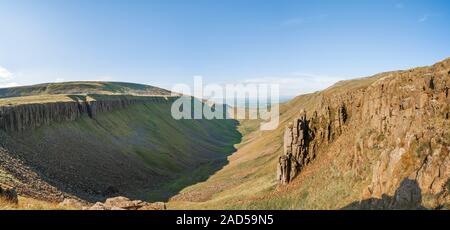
pixel 304 136
pixel 403 116
pixel 17 118
pixel 99 146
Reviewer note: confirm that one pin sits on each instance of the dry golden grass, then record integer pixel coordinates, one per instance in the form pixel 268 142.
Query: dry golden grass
pixel 52 98
pixel 249 180
pixel 34 100
pixel 26 203
pixel 334 180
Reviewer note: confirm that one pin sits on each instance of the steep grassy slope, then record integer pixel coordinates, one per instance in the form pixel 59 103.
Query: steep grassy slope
pixel 250 174
pixel 139 151
pixel 344 169
pixel 86 87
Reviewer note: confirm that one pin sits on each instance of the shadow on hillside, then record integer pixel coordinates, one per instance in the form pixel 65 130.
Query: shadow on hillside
pixel 198 174
pixel 203 171
pixel 88 160
pixel 407 196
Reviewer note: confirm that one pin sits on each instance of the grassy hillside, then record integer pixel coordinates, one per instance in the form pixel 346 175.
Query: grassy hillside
pixel 397 126
pixel 140 152
pixel 335 179
pixel 250 175
pixel 86 87
pixel 249 180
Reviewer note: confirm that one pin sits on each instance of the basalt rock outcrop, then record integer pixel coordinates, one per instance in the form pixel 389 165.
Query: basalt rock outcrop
pixel 304 136
pixel 401 116
pixel 22 168
pixel 17 118
pixel 123 203
pixel 8 195
pixel 92 147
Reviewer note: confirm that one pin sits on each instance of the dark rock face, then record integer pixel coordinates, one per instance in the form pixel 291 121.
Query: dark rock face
pixel 111 190
pixel 16 120
pixel 284 169
pixel 9 195
pixel 303 137
pixel 402 116
pixel 29 116
pixel 105 146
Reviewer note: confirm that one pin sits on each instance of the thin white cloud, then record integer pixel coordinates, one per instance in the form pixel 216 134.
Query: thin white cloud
pixel 6 78
pixel 297 83
pixel 5 75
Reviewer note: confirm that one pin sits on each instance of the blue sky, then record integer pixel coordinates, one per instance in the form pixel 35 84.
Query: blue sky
pixel 303 45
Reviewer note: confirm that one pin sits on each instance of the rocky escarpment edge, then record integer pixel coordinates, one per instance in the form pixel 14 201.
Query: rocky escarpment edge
pixel 18 118
pixel 402 116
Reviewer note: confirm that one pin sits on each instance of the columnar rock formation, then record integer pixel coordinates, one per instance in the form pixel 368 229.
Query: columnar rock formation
pixel 303 137
pixel 14 118
pixel 91 147
pixel 402 117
